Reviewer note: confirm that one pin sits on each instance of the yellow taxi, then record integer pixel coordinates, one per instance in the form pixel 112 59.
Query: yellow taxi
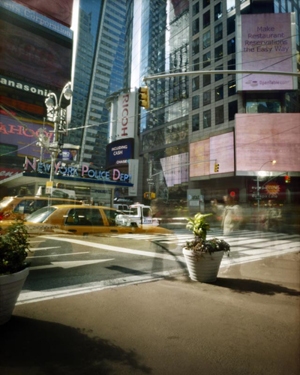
pixel 84 220
pixel 18 207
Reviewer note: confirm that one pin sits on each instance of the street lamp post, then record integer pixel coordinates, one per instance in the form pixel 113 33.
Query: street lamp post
pixel 57 115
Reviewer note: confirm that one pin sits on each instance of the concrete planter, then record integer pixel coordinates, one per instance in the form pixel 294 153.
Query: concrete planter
pixel 204 267
pixel 10 288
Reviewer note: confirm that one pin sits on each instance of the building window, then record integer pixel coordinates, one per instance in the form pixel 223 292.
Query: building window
pixel 263 106
pixel 195 47
pixel 196 83
pixel 196 27
pixel 195 9
pixel 219 114
pixel 206 98
pixel 218 11
pixel 206 80
pixel 219 93
pixel 218 32
pixel 196 64
pixel 206 19
pixel 231 64
pixel 206 39
pixel 219 76
pixel 206 3
pixel 231 25
pixel 195 102
pixel 206 59
pixel 230 5
pixel 195 123
pixel 231 46
pixel 232 110
pixel 219 53
pixel 231 88
pixel 206 119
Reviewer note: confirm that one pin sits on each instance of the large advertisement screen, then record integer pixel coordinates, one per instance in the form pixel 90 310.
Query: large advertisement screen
pixel 22 139
pixel 31 57
pixel 215 150
pixel 175 169
pixel 118 153
pixel 265 42
pixel 261 138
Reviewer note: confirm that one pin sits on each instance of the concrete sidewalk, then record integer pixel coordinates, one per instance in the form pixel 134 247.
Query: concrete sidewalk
pixel 245 323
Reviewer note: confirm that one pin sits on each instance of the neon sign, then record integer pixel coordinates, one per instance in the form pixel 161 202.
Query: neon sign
pixel 84 171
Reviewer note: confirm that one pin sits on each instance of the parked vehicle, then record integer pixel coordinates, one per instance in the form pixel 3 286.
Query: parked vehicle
pixel 141 214
pixel 83 220
pixel 19 207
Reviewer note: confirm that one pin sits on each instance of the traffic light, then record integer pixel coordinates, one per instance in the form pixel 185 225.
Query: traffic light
pixel 149 195
pixel 144 97
pixel 287 179
pixel 216 167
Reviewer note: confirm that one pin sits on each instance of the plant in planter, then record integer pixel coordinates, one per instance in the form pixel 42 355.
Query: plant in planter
pixel 14 246
pixel 203 257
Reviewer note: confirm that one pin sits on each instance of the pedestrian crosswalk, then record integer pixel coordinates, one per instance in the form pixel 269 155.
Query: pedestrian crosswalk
pixel 245 245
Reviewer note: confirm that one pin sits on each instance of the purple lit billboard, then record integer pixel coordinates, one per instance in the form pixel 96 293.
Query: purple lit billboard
pixel 28 56
pixel 265 42
pixel 261 138
pixel 13 133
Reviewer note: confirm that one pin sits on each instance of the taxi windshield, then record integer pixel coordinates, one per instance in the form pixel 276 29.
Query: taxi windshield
pixel 40 215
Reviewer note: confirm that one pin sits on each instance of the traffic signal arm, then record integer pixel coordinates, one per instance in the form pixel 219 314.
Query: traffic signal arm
pixel 144 97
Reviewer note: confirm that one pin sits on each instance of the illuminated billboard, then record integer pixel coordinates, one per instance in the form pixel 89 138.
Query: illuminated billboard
pixel 266 42
pixel 214 150
pixel 126 116
pixel 22 139
pixel 31 57
pixel 118 153
pixel 261 138
pixel 175 169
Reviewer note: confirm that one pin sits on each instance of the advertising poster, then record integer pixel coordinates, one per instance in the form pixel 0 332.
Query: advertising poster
pixel 265 42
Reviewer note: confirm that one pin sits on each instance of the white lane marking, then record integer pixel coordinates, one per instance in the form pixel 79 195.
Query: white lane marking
pixel 70 264
pixel 45 248
pixel 56 255
pixel 119 249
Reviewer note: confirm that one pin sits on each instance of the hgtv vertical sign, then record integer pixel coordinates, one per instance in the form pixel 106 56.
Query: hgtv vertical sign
pixel 266 42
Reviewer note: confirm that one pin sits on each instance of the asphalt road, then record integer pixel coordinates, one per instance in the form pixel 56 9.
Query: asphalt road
pixel 70 264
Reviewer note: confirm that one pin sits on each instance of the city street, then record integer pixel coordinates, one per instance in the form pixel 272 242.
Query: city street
pixel 69 265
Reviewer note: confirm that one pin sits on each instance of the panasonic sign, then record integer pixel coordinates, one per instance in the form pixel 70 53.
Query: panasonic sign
pixel 9 82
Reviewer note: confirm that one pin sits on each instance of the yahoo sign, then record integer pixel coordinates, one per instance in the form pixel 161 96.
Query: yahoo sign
pixel 84 171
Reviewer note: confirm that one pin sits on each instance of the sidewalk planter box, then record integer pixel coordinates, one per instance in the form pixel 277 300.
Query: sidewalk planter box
pixel 203 257
pixel 203 267
pixel 10 288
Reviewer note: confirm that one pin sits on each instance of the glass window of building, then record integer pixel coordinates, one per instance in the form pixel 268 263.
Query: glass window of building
pixel 195 8
pixel 206 59
pixel 219 76
pixel 205 3
pixel 206 79
pixel 231 88
pixel 196 64
pixel 230 5
pixel 219 114
pixel 218 11
pixel 195 122
pixel 218 53
pixel 219 94
pixel 263 106
pixel 206 119
pixel 231 64
pixel 206 39
pixel 196 83
pixel 231 46
pixel 196 27
pixel 218 32
pixel 206 98
pixel 195 47
pixel 195 102
pixel 232 110
pixel 230 25
pixel 206 19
